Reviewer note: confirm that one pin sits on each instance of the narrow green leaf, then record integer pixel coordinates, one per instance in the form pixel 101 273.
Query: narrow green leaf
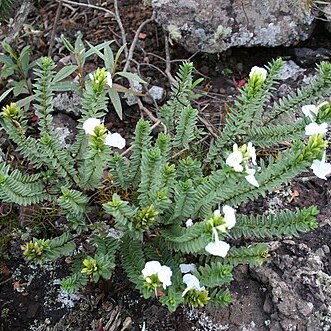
pixel 116 101
pixel 4 94
pixel 131 76
pixel 66 86
pixel 25 101
pixel 68 44
pixel 109 58
pixel 96 49
pixel 64 72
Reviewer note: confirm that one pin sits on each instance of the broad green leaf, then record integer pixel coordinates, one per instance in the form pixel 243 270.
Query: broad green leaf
pixel 116 101
pixel 64 72
pixel 131 76
pixel 6 60
pixel 8 71
pixel 24 59
pixel 4 94
pixel 19 86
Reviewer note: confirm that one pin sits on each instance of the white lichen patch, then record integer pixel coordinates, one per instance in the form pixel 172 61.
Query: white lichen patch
pixel 203 322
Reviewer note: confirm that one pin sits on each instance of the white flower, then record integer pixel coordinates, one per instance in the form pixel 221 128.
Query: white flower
pixel 257 71
pixel 109 79
pixel 229 216
pixel 185 268
pixel 314 128
pixel 90 124
pixel 164 276
pixel 252 152
pixel 218 248
pixel 192 283
pixel 310 111
pixel 251 178
pixel 321 169
pixel 91 76
pixel 189 223
pixel 235 158
pixel 163 273
pixel 115 140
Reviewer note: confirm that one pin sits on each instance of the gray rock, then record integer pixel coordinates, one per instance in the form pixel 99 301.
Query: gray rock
pixel 214 26
pixel 300 289
pixel 327 14
pixel 65 128
pixel 130 98
pixel 154 94
pixel 290 70
pixel 67 103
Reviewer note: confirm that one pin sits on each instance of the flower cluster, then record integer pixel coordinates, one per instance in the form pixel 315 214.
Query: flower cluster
pixel 320 168
pixel 240 160
pixel 156 274
pixel 93 125
pixel 222 224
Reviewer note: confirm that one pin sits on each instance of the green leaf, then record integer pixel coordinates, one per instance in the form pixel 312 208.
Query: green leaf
pixel 25 101
pixel 4 94
pixel 64 72
pixel 109 58
pixel 117 56
pixel 8 71
pixel 6 60
pixel 66 86
pixel 96 49
pixel 24 59
pixel 68 44
pixel 131 76
pixel 19 87
pixel 116 101
pixel 10 50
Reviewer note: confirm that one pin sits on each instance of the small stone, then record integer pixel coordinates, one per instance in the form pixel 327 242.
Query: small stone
pixel 290 70
pixel 320 252
pixel 326 249
pixel 154 94
pixel 130 98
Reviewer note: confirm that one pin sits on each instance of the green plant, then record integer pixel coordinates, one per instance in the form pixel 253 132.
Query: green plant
pixel 6 8
pixel 163 203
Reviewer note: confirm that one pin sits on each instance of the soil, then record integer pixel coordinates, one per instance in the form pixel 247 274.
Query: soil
pixel 270 297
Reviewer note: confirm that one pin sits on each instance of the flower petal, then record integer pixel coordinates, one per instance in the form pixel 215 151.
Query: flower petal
pixel 229 216
pixel 189 223
pixel 192 283
pixel 151 268
pixel 164 275
pixel 310 111
pixel 90 124
pixel 109 79
pixel 314 128
pixel 258 71
pixel 115 140
pixel 185 268
pixel 218 248
pixel 252 180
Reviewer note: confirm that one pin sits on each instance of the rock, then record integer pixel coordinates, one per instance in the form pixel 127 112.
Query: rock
pixel 68 103
pixel 307 56
pixel 130 98
pixel 65 128
pixel 212 26
pixel 154 94
pixel 299 291
pixel 327 14
pixel 290 70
